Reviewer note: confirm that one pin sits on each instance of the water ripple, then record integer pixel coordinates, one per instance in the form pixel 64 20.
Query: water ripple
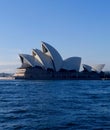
pixel 54 105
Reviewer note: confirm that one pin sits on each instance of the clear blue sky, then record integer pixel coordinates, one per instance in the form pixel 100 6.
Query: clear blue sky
pixel 73 27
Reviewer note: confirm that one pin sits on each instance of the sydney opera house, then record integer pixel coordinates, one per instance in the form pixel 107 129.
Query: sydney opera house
pixel 47 64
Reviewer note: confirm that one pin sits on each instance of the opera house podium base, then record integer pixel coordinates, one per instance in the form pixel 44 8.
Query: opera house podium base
pixel 35 73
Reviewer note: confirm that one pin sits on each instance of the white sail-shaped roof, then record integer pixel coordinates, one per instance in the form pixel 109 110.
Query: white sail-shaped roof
pixel 87 67
pixel 44 59
pixel 72 63
pixel 97 68
pixel 28 60
pixel 53 53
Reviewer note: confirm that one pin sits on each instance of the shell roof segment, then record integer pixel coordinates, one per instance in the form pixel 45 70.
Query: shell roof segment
pixel 87 67
pixel 97 68
pixel 44 59
pixel 53 53
pixel 29 60
pixel 72 63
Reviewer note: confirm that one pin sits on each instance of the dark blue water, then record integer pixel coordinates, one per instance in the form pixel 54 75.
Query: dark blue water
pixel 54 105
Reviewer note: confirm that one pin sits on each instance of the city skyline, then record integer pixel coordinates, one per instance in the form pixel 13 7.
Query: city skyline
pixel 75 28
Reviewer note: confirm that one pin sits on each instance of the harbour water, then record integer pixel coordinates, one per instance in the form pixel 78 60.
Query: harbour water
pixel 54 105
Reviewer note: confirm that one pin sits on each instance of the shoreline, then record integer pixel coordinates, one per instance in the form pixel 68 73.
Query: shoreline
pixel 7 78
